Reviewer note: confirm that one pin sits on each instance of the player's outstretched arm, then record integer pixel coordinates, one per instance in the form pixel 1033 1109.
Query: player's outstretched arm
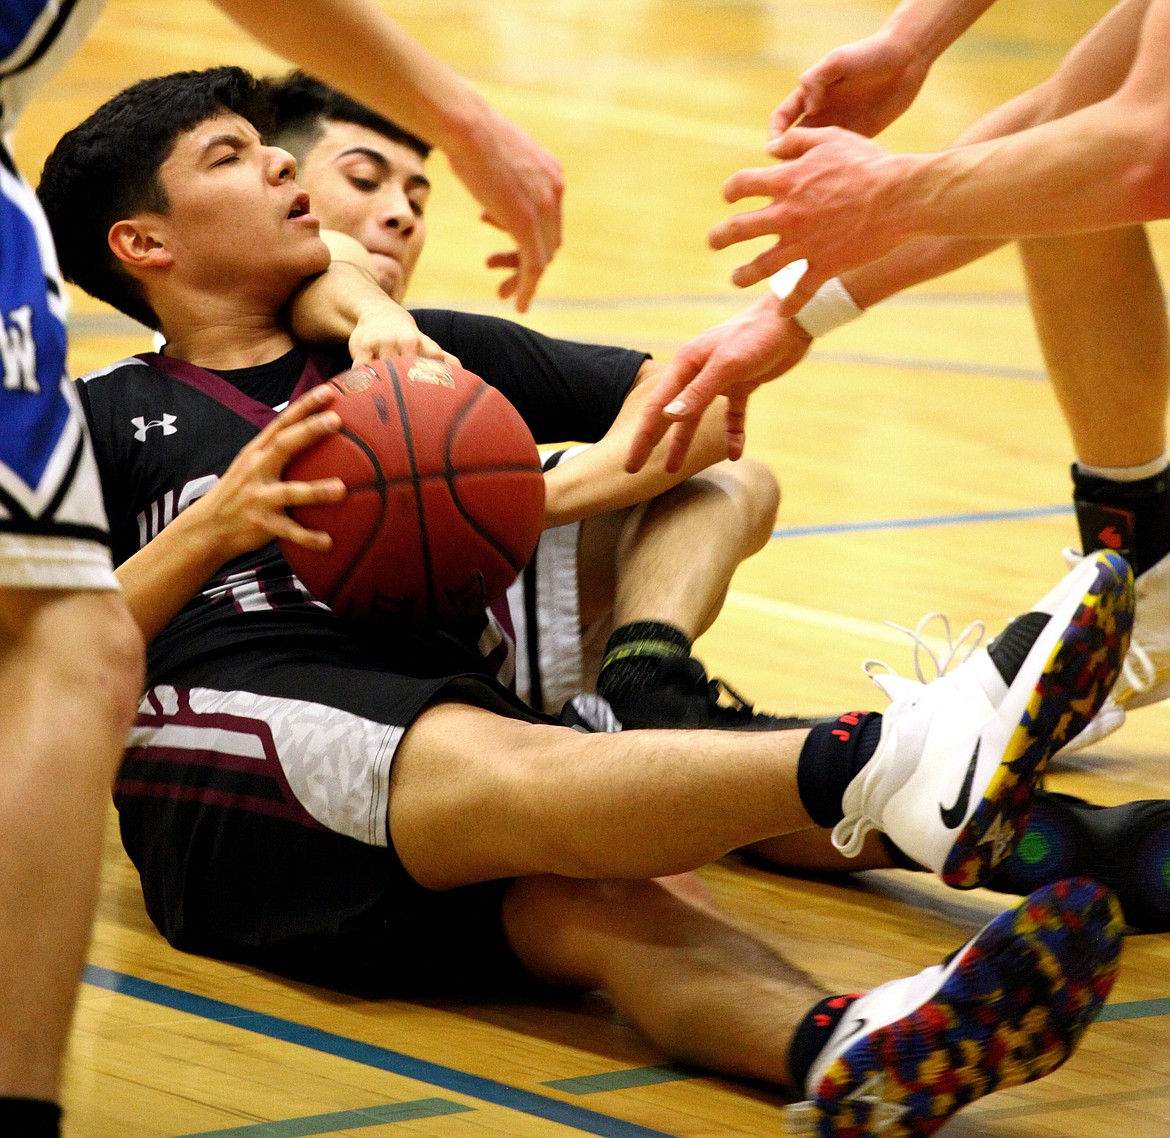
pixel 864 86
pixel 731 359
pixel 244 510
pixel 345 304
pixel 596 480
pixel 353 45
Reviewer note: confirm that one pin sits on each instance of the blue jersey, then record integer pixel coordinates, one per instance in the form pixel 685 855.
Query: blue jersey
pixel 52 523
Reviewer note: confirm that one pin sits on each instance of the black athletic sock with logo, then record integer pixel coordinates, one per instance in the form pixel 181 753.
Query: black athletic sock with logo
pixel 632 656
pixel 30 1118
pixel 832 755
pixel 1132 518
pixel 812 1034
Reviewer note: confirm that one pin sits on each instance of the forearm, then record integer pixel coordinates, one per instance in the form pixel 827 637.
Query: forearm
pixel 397 75
pixel 167 572
pixel 929 27
pixel 328 307
pixel 1092 71
pixel 595 481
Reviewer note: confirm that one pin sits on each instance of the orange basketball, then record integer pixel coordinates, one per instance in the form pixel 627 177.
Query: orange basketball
pixel 445 501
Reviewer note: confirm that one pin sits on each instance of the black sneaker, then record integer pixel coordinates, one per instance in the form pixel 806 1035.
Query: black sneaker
pixel 1125 847
pixel 683 696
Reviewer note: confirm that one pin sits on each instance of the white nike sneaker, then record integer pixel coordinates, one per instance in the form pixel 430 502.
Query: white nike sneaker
pixel 1145 675
pixel 1009 1007
pixel 952 779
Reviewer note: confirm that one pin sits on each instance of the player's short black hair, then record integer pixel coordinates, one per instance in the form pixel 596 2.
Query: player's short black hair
pixel 107 168
pixel 300 107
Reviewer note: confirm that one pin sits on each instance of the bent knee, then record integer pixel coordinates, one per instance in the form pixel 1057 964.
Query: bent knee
pixel 754 488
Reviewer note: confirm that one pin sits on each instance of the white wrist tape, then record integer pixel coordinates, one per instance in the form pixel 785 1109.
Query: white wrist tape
pixel 828 308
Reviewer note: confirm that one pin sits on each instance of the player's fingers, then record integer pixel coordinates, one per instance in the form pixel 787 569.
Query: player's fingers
pixel 506 259
pixel 797 141
pixel 531 268
pixel 744 227
pixel 802 292
pixel 763 266
pixel 755 181
pixel 679 442
pixel 651 427
pixel 735 427
pixel 283 528
pixel 294 437
pixel 308 404
pixel 310 493
pixel 786 113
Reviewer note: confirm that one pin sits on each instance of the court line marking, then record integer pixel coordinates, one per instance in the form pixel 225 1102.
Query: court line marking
pixel 926 521
pixel 630 1078
pixel 341 1120
pixel 368 1055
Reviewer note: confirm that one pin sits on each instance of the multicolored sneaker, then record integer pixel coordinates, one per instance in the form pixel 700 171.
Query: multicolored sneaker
pixel 1124 847
pixel 1145 675
pixel 952 779
pixel 1007 1008
pixel 683 696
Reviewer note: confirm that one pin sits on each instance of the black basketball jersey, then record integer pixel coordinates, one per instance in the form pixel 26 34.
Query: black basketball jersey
pixel 164 431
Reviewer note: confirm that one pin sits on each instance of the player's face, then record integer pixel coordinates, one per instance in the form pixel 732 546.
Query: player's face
pixel 237 218
pixel 374 190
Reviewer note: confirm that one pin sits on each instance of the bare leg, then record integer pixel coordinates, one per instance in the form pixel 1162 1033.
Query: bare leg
pixel 531 798
pixel 70 676
pixel 1099 312
pixel 676 561
pixel 698 987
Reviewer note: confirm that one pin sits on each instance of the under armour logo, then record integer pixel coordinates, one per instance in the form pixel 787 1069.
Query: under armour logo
pixel 167 422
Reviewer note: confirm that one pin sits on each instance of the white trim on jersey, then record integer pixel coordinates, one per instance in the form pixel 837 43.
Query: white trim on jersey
pixel 16 90
pixel 32 561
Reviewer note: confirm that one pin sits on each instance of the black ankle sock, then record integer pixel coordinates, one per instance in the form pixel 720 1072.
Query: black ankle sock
pixel 632 655
pixel 832 754
pixel 1131 517
pixel 30 1118
pixel 812 1035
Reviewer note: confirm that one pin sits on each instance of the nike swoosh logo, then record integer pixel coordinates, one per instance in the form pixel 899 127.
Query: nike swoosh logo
pixel 858 1027
pixel 952 816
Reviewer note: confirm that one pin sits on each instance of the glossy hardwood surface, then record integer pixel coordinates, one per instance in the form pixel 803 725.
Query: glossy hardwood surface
pixel 924 466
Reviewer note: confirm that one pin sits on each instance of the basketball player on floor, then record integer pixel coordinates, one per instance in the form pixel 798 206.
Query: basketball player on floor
pixel 366 179
pixel 644 562
pixel 70 654
pixel 407 821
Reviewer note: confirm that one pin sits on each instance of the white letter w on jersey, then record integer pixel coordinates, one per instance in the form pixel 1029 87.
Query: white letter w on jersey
pixel 18 351
pixel 167 422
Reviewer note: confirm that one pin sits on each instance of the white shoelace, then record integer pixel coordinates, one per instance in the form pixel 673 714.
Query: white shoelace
pixel 942 656
pixel 849 834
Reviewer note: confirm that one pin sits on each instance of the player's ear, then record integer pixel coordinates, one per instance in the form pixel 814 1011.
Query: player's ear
pixel 139 244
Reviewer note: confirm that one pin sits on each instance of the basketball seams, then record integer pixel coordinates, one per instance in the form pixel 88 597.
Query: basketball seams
pixel 378 485
pixel 450 473
pixel 416 484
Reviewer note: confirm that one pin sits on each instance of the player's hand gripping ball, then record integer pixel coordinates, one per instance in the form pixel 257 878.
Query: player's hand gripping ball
pixel 445 502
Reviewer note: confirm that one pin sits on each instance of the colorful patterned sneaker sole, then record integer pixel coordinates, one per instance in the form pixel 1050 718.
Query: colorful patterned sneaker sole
pixel 1012 1011
pixel 1077 678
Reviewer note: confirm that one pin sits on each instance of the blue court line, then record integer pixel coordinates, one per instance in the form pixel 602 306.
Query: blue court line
pixel 627 1080
pixel 926 522
pixel 340 1120
pixel 369 1055
pixel 1135 1009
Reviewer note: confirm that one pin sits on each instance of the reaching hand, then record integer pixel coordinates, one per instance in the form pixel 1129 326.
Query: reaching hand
pixel 389 330
pixel 520 186
pixel 862 86
pixel 247 507
pixel 731 359
pixel 836 204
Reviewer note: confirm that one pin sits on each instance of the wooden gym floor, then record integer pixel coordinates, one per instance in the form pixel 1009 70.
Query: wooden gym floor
pixel 924 467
